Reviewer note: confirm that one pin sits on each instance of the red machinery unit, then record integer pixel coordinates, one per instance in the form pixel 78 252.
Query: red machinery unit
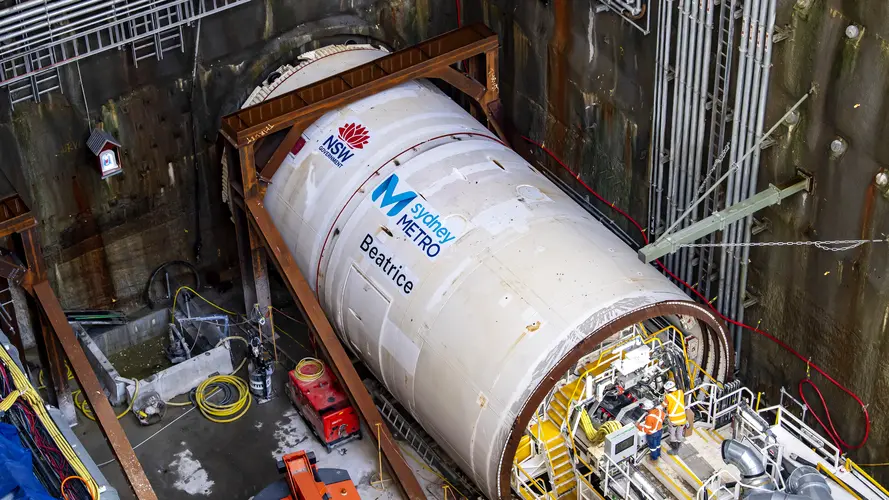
pixel 317 395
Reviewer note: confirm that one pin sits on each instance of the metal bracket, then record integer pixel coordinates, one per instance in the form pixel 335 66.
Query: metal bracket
pixel 782 33
pixel 750 299
pixel 760 225
pixel 720 220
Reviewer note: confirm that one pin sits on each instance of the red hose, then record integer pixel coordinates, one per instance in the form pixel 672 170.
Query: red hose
pixel 829 429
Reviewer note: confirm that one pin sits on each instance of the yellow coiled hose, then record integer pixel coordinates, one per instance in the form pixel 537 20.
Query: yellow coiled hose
pixel 313 367
pixel 225 412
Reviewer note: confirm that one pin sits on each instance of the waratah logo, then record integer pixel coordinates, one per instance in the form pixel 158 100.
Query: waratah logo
pixel 355 135
pixel 339 149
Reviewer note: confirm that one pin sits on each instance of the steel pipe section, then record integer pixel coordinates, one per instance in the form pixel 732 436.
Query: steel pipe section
pixel 461 276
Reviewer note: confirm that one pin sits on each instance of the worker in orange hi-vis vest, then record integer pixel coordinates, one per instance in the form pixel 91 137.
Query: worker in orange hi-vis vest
pixel 652 425
pixel 674 401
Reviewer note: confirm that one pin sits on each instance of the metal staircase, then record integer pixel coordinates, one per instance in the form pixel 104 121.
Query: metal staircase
pixel 563 477
pixel 559 405
pixel 562 472
pixel 38 37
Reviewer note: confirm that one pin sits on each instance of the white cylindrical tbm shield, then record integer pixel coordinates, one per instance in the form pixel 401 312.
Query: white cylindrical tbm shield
pixel 462 277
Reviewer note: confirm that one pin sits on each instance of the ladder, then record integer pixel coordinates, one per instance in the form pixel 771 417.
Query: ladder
pixel 36 83
pixel 416 438
pixel 720 117
pixel 405 430
pixel 31 55
pixel 8 323
pixel 159 42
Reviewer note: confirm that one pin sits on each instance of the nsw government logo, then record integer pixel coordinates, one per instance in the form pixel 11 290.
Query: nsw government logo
pixel 341 147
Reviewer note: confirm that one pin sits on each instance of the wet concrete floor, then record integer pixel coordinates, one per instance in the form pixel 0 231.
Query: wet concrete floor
pixel 196 458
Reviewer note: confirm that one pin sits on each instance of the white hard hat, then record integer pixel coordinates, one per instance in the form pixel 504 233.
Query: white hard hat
pixel 647 404
pixel 669 386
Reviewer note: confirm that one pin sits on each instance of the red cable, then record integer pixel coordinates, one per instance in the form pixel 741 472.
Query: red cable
pixel 459 16
pixel 829 429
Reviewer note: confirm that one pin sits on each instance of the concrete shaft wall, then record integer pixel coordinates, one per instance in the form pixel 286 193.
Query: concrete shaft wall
pixel 102 239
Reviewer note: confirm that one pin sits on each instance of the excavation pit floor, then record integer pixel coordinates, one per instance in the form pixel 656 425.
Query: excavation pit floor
pixel 196 458
pixel 188 456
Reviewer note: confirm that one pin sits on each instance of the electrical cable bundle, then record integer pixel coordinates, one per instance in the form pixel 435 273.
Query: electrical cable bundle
pixel 55 462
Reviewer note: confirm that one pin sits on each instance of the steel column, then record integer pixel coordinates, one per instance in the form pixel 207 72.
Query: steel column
pixel 54 318
pixel 258 265
pixel 48 348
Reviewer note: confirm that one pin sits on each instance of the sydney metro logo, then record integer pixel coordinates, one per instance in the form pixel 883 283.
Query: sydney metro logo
pixel 339 149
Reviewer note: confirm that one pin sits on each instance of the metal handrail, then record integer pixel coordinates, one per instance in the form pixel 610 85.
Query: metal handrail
pixel 536 482
pixel 705 488
pixel 55 38
pixel 850 466
pixel 607 470
pixel 795 426
pixel 699 370
pixel 582 482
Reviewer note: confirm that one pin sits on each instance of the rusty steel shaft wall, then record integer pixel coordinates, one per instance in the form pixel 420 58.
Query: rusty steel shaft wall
pixel 461 276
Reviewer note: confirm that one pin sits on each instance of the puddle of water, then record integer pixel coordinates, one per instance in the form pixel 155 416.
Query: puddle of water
pixel 141 360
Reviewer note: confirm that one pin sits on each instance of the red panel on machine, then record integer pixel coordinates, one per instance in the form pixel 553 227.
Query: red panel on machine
pixel 321 394
pixel 323 404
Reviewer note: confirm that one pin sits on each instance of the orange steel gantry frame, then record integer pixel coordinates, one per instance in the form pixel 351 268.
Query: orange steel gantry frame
pixel 56 340
pixel 258 238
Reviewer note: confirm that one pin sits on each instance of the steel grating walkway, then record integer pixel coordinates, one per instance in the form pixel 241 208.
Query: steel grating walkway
pixel 38 37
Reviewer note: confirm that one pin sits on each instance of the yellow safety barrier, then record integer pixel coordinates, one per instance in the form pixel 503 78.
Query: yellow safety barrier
pixel 853 465
pixel 821 468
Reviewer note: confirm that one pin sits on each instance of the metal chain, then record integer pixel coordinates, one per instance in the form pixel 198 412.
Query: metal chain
pixel 830 246
pixel 716 164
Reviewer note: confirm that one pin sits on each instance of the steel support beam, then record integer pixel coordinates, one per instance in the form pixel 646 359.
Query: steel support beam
pixel 431 59
pixel 257 236
pixel 305 298
pixel 307 104
pixel 280 154
pixel 260 275
pixel 14 216
pixel 720 220
pixel 48 348
pixel 92 390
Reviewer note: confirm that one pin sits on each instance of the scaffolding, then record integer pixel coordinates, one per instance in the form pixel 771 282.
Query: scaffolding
pixel 39 37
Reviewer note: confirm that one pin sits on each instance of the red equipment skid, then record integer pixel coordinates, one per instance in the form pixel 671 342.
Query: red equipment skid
pixel 308 482
pixel 325 408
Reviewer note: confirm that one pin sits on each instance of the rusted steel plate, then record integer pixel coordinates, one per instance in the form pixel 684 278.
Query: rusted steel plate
pixel 91 388
pixel 14 215
pixel 311 309
pixel 280 154
pixel 250 124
